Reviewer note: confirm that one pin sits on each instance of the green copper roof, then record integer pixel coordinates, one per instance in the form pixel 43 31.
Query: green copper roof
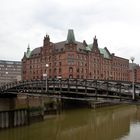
pixel 89 47
pixel 28 53
pixel 70 36
pixel 102 51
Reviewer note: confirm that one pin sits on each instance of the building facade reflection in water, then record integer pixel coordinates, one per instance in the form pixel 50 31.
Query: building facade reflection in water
pixel 113 123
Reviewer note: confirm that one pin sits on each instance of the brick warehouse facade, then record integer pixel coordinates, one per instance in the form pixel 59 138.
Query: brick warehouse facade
pixel 136 73
pixel 73 59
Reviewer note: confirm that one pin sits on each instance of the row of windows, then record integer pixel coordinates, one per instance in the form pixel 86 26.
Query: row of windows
pixel 9 66
pixel 9 69
pixel 9 74
pixel 105 77
pixel 50 65
pixel 120 65
pixel 44 59
pixel 81 57
pixel 96 73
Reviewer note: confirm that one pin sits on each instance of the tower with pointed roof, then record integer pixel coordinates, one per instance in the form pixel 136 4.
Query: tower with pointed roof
pixel 28 51
pixel 95 42
pixel 70 36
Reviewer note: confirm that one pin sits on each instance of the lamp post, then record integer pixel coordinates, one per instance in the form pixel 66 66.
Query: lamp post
pixel 6 79
pixel 46 77
pixel 133 80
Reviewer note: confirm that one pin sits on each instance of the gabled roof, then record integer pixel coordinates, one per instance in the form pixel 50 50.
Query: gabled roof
pixel 103 51
pixel 89 47
pixel 80 45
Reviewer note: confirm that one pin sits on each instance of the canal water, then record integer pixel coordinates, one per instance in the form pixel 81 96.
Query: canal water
pixel 111 123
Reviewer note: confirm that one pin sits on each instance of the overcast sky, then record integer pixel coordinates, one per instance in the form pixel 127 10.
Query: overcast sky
pixel 116 23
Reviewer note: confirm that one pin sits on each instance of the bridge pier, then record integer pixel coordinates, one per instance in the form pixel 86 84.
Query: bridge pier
pixel 12 112
pixel 13 118
pixel 21 110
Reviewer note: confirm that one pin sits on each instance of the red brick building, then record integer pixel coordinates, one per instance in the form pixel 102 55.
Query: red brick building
pixel 136 68
pixel 73 59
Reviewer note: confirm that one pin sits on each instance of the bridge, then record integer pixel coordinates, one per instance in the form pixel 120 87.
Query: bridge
pixel 75 89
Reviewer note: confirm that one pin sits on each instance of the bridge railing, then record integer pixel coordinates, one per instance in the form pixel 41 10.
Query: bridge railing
pixel 114 87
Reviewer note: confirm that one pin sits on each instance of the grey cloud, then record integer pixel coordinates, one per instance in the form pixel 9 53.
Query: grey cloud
pixel 28 21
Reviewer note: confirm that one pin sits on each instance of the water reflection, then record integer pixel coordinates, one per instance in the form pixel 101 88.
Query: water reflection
pixel 114 123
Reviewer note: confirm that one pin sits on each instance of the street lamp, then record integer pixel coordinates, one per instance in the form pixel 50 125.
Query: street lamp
pixel 6 79
pixel 133 80
pixel 47 65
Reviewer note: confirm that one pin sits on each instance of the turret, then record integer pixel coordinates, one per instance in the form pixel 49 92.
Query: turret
pixel 28 48
pixel 70 37
pixel 95 46
pixel 46 40
pixel 28 51
pixel 84 43
pixel 95 43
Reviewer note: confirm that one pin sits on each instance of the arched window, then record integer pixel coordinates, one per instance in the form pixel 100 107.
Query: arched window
pixel 70 70
pixel 70 76
pixel 55 71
